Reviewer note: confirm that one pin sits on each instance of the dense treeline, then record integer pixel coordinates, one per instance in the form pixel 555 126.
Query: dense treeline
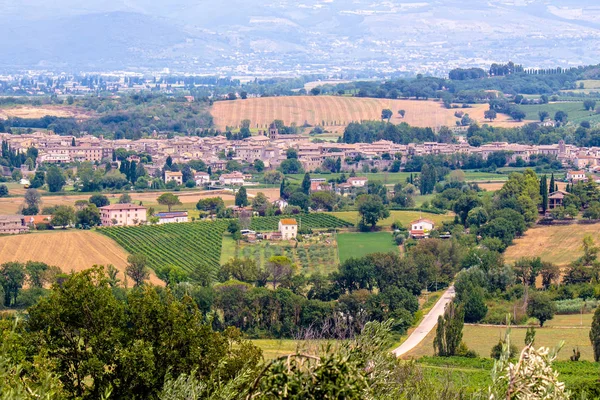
pixel 372 131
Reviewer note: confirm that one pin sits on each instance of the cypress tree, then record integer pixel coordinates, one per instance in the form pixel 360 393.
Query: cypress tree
pixel 282 188
pixel 544 193
pixel 306 184
pixel 595 335
pixel 552 183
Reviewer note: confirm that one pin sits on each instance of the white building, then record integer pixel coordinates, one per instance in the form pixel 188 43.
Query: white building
pixel 357 181
pixel 201 178
pixel 172 217
pixel 576 176
pixel 235 178
pixel 122 214
pixel 288 227
pixel 421 228
pixel 176 176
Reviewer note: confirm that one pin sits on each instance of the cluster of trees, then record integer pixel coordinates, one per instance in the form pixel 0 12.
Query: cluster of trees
pixel 373 288
pixel 372 131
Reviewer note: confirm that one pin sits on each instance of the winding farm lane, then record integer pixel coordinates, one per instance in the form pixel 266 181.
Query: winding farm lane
pixel 428 323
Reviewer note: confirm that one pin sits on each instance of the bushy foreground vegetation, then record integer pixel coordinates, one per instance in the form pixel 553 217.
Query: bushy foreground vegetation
pixel 90 339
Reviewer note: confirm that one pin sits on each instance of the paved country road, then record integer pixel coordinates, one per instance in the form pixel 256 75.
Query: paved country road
pixel 428 323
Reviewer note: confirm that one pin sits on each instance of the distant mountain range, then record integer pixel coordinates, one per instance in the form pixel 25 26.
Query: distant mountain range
pixel 296 36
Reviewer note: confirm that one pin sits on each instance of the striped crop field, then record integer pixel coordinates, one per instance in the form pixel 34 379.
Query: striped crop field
pixel 339 111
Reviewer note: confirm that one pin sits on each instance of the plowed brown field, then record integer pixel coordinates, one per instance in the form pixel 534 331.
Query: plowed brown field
pixel 340 111
pixel 69 250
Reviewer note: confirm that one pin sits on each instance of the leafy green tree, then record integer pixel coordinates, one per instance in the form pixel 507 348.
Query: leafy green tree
pixel 561 116
pixel 63 216
pixel 464 204
pixel 38 180
pixel 169 200
pixel 291 166
pixel 210 204
pixel 595 334
pixel 137 268
pixel 89 215
pixel 99 200
pixel 449 333
pixel 386 114
pixel 490 115
pixel 12 278
pixel 125 198
pixel 371 209
pixel 3 191
pixel 260 203
pixel 543 115
pixel 306 184
pixel 241 269
pixel 280 268
pixel 541 307
pixel 241 197
pixel 32 202
pixel 259 165
pixel 171 275
pixel 589 105
pixel 475 308
pixel 427 179
pixel 37 273
pixel 322 200
pixel 55 178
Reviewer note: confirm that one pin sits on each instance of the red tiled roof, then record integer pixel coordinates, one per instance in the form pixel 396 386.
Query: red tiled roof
pixel 122 207
pixel 288 221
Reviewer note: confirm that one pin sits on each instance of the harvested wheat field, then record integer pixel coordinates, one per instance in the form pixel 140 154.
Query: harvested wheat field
pixel 69 250
pixel 10 205
pixel 42 111
pixel 559 244
pixel 340 111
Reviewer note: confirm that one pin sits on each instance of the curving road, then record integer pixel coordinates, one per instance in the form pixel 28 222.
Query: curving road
pixel 428 323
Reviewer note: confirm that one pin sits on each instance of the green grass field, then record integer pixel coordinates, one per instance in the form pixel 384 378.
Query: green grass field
pixel 404 217
pixel 562 327
pixel 391 178
pixel 385 177
pixel 575 111
pixel 361 244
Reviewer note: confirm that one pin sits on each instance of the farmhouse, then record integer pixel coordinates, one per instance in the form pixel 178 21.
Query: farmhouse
pixel 288 228
pixel 357 181
pixel 576 176
pixel 421 228
pixel 201 178
pixel 172 217
pixel 12 224
pixel 122 215
pixel 176 176
pixel 235 178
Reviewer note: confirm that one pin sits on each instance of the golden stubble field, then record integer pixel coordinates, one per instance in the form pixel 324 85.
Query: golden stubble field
pixel 42 111
pixel 559 244
pixel 339 111
pixel 70 250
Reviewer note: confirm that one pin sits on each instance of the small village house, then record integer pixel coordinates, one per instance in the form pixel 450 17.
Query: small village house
pixel 288 227
pixel 122 215
pixel 201 178
pixel 235 178
pixel 172 217
pixel 357 181
pixel 421 228
pixel 176 176
pixel 13 224
pixel 576 176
